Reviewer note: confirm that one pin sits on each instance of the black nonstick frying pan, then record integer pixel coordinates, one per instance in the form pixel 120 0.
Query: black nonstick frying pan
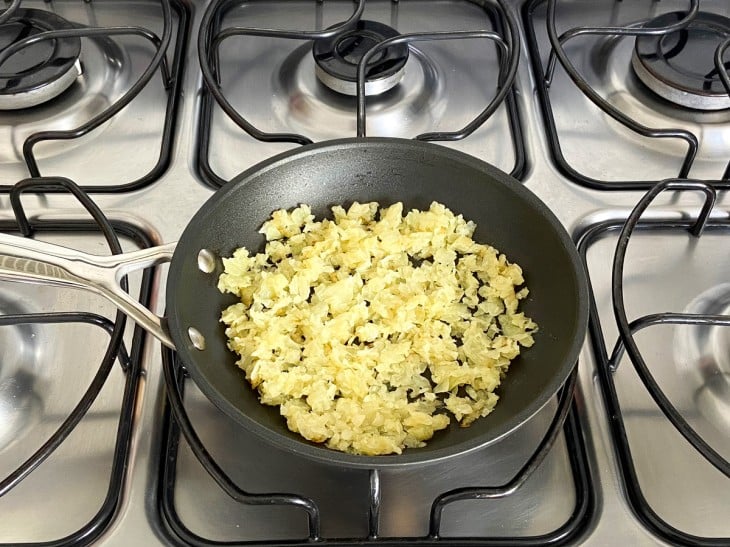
pixel 508 216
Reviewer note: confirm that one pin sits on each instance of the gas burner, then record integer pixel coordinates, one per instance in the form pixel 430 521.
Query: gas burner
pixel 42 71
pixel 679 66
pixel 337 59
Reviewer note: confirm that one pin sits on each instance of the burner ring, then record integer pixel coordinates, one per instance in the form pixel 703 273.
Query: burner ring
pixel 679 66
pixel 41 71
pixel 337 58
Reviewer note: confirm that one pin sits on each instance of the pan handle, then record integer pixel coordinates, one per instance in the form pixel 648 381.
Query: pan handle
pixel 34 261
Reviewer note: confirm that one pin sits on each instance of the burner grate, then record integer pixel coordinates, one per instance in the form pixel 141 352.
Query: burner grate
pixel 214 33
pixel 130 362
pixel 178 425
pixel 170 71
pixel 607 365
pixel 627 338
pixel 641 30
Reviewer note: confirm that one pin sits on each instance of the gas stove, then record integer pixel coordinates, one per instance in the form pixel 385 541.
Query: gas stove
pixel 124 120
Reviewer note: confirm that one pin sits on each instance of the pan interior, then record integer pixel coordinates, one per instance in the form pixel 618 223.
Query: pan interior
pixel 508 217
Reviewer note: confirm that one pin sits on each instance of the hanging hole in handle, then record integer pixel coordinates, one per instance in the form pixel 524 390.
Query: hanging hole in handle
pixel 197 339
pixel 206 261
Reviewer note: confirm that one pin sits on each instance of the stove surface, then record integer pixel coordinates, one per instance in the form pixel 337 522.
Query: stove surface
pixel 579 493
pixel 111 70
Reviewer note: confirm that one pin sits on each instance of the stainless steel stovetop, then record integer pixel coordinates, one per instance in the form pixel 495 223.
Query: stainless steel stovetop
pixel 619 472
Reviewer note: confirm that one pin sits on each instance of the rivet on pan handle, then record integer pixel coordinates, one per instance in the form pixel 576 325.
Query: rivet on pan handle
pixel 34 261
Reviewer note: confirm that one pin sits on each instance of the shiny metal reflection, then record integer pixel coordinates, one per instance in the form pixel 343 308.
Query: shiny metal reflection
pixel 43 93
pixel 206 261
pixel 678 96
pixel 372 87
pixel 197 339
pixel 20 404
pixel 704 353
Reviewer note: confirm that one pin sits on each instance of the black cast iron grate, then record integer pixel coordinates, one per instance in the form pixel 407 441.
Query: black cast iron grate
pixel 170 70
pixel 130 362
pixel 544 77
pixel 607 364
pixel 178 426
pixel 211 36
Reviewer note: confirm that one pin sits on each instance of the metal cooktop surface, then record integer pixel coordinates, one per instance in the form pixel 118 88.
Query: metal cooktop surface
pixel 590 132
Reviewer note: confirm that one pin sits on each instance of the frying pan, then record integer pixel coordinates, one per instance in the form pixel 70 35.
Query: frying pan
pixel 508 216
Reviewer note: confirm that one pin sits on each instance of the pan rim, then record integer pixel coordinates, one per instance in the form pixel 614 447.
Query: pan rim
pixel 410 457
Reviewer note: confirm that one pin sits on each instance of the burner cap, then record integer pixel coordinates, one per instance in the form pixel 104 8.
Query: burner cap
pixel 679 66
pixel 337 59
pixel 39 72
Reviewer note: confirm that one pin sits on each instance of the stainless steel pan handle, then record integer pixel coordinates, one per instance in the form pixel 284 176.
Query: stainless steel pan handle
pixel 34 261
